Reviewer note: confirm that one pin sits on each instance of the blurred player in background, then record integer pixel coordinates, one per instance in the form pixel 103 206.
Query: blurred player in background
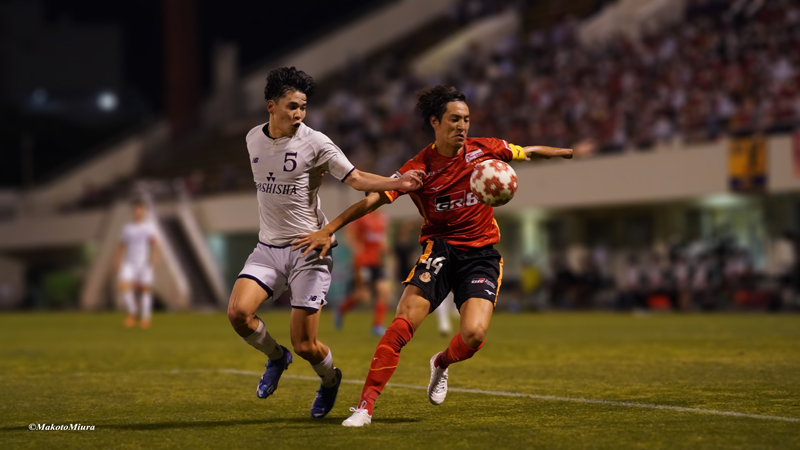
pixel 457 241
pixel 288 160
pixel 367 235
pixel 446 309
pixel 136 258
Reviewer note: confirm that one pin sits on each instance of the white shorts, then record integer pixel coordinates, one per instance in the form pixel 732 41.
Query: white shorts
pixel 277 268
pixel 141 274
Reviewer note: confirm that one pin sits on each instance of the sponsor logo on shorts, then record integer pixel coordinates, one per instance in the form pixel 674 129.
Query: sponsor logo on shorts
pixel 471 156
pixel 425 277
pixel 484 281
pixel 489 292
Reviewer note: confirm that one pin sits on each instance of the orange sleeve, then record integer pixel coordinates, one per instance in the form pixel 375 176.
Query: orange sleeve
pixel 412 164
pixel 504 150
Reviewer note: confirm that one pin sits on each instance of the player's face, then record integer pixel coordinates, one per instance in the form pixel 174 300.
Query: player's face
pixel 452 129
pixel 138 213
pixel 287 113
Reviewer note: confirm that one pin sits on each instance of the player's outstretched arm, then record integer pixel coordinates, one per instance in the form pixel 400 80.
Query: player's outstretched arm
pixel 368 182
pixel 155 255
pixel 322 239
pixel 546 152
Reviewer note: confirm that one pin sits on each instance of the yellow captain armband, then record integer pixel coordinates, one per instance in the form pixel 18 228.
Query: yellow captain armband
pixel 519 152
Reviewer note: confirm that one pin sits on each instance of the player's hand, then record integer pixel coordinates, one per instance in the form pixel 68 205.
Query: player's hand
pixel 412 180
pixel 317 240
pixel 547 152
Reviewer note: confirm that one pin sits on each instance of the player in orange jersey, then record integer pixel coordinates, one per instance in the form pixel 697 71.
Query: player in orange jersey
pixel 368 238
pixel 457 240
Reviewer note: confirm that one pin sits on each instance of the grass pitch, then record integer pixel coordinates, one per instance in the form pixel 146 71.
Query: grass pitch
pixel 166 387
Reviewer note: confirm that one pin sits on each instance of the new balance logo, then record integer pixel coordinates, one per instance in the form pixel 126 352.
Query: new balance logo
pixel 270 177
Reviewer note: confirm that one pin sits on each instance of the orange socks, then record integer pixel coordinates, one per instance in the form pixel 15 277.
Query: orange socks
pixel 347 305
pixel 380 313
pixel 456 351
pixel 384 361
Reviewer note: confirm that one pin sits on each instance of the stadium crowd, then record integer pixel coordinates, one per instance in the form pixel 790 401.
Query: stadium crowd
pixel 727 68
pixel 702 276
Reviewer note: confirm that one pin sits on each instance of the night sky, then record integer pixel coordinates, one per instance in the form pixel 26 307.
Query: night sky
pixel 262 29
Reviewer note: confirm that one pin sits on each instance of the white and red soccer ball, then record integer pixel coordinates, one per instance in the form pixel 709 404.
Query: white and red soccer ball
pixel 493 182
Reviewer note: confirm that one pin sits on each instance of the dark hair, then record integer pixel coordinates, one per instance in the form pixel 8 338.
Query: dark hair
pixel 285 79
pixel 433 102
pixel 137 202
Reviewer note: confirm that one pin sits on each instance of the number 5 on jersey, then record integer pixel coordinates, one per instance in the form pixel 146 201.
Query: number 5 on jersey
pixel 287 160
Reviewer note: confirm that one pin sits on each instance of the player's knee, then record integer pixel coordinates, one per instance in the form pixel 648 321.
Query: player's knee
pixel 304 349
pixel 473 336
pixel 237 316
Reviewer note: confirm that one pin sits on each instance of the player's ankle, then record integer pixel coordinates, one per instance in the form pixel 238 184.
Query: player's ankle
pixel 367 404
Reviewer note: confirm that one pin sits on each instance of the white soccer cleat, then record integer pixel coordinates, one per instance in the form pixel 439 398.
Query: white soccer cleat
pixel 359 418
pixel 437 388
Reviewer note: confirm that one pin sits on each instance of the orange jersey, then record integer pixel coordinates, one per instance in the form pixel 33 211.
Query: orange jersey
pixel 370 233
pixel 451 211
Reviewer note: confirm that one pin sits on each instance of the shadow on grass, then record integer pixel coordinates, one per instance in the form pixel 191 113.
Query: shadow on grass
pixel 298 422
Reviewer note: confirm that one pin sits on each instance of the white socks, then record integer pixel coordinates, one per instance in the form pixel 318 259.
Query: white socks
pixel 263 342
pixel 147 305
pixel 325 370
pixel 130 302
pixel 443 315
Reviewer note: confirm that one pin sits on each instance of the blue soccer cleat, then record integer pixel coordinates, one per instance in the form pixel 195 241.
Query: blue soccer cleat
pixel 269 381
pixel 326 397
pixel 378 330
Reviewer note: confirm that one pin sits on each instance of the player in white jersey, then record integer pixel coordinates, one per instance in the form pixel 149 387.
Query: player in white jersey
pixel 288 160
pixel 136 257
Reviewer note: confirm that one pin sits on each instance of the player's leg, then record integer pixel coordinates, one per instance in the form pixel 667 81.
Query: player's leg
pixel 380 287
pixel 414 306
pixel 245 299
pixel 304 326
pixel 146 291
pixel 443 313
pixel 476 313
pixel 309 282
pixel 481 271
pixel 258 281
pixel 426 286
pixel 125 288
pixel 352 299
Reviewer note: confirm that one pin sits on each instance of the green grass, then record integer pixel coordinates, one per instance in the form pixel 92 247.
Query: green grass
pixel 85 368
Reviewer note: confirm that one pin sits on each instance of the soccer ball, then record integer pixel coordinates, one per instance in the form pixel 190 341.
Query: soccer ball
pixel 493 182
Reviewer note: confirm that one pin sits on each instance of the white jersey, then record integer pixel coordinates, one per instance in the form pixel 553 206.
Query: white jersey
pixel 137 237
pixel 287 174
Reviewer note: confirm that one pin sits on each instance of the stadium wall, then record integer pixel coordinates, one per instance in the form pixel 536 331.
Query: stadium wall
pixel 116 163
pixel 386 25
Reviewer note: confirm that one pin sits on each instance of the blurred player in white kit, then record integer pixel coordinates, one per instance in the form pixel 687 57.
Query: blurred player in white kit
pixel 136 258
pixel 288 159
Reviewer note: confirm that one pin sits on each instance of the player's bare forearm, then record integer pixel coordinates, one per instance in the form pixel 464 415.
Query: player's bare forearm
pixel 322 239
pixel 368 182
pixel 154 253
pixel 547 152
